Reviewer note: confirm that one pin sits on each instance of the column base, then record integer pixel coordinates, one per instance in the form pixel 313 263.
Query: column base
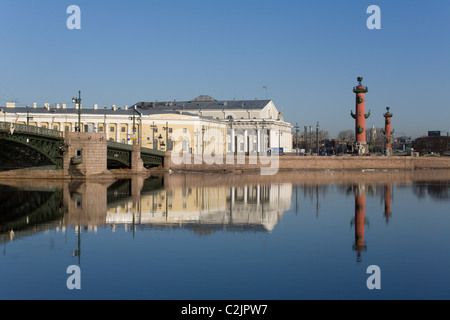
pixel 361 148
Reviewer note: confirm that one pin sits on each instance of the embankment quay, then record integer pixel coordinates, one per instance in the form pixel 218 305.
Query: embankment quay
pixel 302 167
pixel 313 163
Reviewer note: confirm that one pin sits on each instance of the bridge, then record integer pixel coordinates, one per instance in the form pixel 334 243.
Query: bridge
pixel 121 153
pixel 23 146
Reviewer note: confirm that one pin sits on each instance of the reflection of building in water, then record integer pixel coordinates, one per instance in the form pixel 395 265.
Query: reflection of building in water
pixel 250 207
pixel 360 220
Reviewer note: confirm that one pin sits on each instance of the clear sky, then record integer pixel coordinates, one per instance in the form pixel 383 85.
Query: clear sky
pixel 307 53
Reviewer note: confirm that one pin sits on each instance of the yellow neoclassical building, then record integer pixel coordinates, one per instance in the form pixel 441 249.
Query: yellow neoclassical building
pixel 195 127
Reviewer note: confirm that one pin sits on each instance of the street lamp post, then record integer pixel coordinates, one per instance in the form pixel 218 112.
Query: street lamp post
pixel 133 136
pixel 161 142
pixel 153 137
pixel 167 136
pixel 317 136
pixel 78 101
pixel 305 138
pixel 28 118
pixel 203 139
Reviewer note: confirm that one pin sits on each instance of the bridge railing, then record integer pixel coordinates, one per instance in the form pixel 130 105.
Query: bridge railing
pixel 128 147
pixel 120 146
pixel 153 152
pixel 23 128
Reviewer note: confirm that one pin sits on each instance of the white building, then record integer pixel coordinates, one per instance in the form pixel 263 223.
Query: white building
pixel 253 125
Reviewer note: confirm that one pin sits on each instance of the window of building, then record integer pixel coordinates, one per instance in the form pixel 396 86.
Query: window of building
pixel 55 127
pixel 67 128
pixel 111 129
pixel 124 129
pixel 100 129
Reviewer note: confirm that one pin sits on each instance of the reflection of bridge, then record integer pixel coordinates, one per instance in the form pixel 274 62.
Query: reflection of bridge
pixel 29 146
pixel 28 211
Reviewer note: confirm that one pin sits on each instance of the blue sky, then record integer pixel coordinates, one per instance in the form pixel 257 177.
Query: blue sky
pixel 308 53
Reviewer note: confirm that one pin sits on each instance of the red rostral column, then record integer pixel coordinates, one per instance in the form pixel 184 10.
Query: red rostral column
pixel 360 221
pixel 388 131
pixel 360 147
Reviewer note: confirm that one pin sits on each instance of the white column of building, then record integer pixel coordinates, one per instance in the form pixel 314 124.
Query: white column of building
pixel 106 129
pixel 232 141
pixel 246 144
pixel 117 132
pixel 258 140
pixel 289 141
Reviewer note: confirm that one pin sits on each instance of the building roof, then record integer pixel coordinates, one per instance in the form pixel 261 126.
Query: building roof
pixel 204 102
pixel 91 111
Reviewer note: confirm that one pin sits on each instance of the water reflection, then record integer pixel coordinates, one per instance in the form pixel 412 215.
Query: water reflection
pixel 142 203
pixel 387 201
pixel 202 209
pixel 26 211
pixel 439 190
pixel 360 221
pixel 203 204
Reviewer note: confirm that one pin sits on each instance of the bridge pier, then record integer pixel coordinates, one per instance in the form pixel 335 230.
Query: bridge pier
pixel 86 203
pixel 85 155
pixel 137 165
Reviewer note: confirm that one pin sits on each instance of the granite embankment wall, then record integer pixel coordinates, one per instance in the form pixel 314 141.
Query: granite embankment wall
pixel 312 163
pixel 289 164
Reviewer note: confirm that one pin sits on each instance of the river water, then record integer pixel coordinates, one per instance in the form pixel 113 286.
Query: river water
pixel 291 236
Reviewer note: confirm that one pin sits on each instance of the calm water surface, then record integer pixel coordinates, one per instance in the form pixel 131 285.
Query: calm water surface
pixel 228 237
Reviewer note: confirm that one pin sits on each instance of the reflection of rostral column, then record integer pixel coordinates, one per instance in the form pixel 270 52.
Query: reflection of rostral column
pixel 360 221
pixel 387 201
pixel 388 131
pixel 360 146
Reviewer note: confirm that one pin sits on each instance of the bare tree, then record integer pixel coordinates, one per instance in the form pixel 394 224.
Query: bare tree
pixel 323 135
pixel 440 145
pixel 346 135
